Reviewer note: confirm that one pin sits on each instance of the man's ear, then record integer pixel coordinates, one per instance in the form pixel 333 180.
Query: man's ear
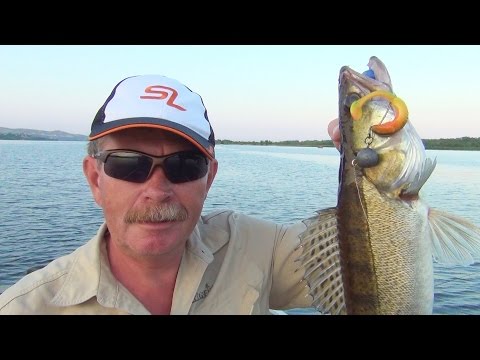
pixel 91 169
pixel 212 171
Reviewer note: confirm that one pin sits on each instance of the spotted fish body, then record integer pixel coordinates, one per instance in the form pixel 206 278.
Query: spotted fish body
pixel 373 253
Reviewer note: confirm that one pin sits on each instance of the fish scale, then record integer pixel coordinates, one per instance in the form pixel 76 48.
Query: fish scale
pixel 403 260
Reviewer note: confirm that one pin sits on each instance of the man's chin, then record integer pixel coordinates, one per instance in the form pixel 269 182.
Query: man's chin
pixel 153 239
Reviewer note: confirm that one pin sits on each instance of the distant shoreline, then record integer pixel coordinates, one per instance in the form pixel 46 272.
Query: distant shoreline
pixel 464 143
pixel 31 134
pixel 38 139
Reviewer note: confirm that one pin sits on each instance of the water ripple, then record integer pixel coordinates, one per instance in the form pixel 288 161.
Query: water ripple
pixel 46 208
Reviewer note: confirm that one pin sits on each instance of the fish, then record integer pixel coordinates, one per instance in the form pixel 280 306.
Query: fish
pixel 373 253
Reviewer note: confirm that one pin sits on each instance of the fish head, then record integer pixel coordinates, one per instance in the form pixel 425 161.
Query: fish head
pixel 393 160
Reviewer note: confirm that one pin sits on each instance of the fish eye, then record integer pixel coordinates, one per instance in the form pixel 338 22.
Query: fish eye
pixel 350 99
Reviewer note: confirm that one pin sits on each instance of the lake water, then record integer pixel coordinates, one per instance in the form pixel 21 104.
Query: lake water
pixel 46 209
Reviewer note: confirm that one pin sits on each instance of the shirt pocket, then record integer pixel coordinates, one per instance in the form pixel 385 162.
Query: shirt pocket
pixel 235 295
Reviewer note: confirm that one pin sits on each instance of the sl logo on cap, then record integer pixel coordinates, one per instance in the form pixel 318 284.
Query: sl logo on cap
pixel 155 89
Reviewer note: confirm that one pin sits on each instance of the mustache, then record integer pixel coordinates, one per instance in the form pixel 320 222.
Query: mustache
pixel 156 213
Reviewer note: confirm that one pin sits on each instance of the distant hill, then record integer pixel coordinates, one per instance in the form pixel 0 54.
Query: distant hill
pixel 30 134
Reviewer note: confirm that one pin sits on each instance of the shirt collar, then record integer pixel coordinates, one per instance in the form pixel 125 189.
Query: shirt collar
pixel 90 276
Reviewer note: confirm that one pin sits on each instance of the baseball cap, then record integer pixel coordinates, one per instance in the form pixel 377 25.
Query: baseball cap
pixel 156 101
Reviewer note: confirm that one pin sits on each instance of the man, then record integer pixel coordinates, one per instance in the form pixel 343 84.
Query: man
pixel 150 165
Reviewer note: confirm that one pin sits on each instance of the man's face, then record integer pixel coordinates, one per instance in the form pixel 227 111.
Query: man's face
pixel 119 198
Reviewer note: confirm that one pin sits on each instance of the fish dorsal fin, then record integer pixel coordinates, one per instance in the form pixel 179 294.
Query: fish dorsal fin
pixel 455 241
pixel 321 260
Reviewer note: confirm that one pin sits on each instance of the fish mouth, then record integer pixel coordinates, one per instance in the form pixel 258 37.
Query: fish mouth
pixel 375 83
pixel 353 81
pixel 374 79
pixel 353 86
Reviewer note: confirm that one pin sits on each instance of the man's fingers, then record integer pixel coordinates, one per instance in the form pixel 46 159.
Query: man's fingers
pixel 334 132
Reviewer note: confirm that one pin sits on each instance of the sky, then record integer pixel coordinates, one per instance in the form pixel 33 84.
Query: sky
pixel 251 92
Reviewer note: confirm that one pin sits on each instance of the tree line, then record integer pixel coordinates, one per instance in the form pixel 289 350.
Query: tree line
pixel 464 143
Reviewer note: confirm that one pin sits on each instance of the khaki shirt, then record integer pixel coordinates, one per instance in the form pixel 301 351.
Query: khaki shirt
pixel 233 264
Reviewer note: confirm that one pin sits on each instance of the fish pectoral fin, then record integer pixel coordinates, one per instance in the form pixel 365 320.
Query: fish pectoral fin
pixel 320 259
pixel 455 241
pixel 421 177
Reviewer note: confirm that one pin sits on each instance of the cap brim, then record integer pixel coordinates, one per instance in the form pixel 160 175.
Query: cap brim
pixel 202 144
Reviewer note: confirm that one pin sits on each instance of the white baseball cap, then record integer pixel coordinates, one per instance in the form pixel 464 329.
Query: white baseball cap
pixel 156 101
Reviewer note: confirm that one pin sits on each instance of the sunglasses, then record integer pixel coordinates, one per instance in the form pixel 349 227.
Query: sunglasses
pixel 135 166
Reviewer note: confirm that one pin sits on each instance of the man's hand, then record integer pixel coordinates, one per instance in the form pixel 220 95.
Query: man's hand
pixel 334 133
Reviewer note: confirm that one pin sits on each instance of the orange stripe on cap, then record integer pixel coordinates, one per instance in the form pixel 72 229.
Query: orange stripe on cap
pixel 209 153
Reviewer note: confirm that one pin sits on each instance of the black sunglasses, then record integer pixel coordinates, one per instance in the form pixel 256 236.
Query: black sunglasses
pixel 135 166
